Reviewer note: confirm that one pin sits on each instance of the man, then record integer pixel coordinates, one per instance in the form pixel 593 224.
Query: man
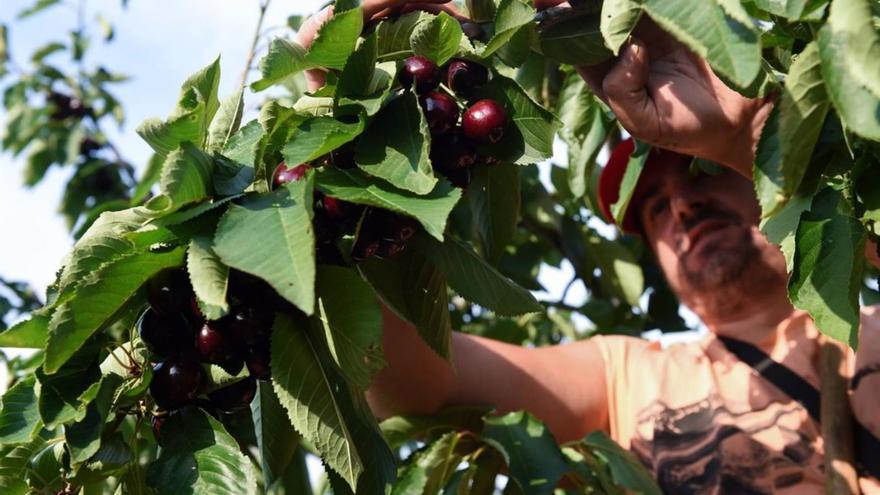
pixel 698 415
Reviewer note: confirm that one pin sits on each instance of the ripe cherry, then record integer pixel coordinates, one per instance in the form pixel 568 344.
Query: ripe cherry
pixel 452 151
pixel 422 71
pixel 234 397
pixel 484 121
pixel 441 112
pixel 258 361
pixel 166 336
pixel 217 346
pixel 170 292
pixel 176 382
pixel 338 210
pixel 246 324
pixel 464 76
pixel 284 174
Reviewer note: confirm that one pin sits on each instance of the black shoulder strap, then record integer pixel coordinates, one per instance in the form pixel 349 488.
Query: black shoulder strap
pixel 867 446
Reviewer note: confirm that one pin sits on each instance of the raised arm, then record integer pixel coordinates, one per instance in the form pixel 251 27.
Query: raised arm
pixel 564 385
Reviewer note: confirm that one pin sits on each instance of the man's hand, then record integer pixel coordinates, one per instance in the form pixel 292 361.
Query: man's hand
pixel 664 94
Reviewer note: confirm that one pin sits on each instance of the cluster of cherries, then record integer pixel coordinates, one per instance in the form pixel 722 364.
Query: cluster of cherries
pixel 379 233
pixel 65 106
pixel 453 146
pixel 180 340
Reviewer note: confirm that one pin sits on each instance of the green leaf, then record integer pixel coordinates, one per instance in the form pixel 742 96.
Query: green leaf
pixel 622 275
pixel 431 468
pixel 415 290
pixel 283 59
pixel 62 394
pixel 401 429
pixel 477 281
pixel 431 210
pixel 190 119
pixel 630 179
pixel 530 137
pixel 30 333
pixel 199 456
pixel 43 52
pixel 395 147
pixel 98 298
pixel 618 18
pixel 393 36
pixel 720 36
pixel 336 39
pixel 535 462
pixel 437 38
pixel 37 7
pixel 828 265
pixel 185 178
pixel 510 17
pixel 625 468
pixel 495 203
pixel 853 27
pixel 209 276
pixel 150 176
pixel 13 466
pixel 226 121
pixel 585 127
pixel 857 105
pixel 84 437
pixel 270 235
pixel 790 9
pixel 358 70
pixel 276 437
pixel 802 111
pixel 575 40
pixel 242 147
pixel 19 418
pixel 480 10
pixel 318 136
pixel 319 403
pixel 352 323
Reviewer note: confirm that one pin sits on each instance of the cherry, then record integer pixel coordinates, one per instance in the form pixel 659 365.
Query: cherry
pixel 422 71
pixel 452 151
pixel 166 336
pixel 464 76
pixel 441 112
pixel 247 324
pixel 484 121
pixel 176 382
pixel 234 397
pixel 343 157
pixel 217 346
pixel 258 361
pixel 88 146
pixel 169 292
pixel 339 210
pixel 284 174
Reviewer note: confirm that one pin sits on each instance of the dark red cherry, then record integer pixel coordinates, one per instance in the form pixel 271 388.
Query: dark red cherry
pixel 234 397
pixel 464 76
pixel 166 336
pixel 170 291
pixel 258 359
pixel 176 382
pixel 421 71
pixel 217 346
pixel 452 151
pixel 484 121
pixel 337 209
pixel 284 174
pixel 248 325
pixel 441 112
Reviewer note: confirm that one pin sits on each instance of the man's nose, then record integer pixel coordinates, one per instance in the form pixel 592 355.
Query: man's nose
pixel 685 206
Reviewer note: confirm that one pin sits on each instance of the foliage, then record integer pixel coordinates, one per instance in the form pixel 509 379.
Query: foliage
pixel 78 414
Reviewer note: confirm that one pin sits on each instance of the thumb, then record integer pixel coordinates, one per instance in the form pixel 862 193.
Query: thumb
pixel 626 93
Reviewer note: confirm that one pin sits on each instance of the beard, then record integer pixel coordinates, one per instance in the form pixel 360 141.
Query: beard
pixel 720 262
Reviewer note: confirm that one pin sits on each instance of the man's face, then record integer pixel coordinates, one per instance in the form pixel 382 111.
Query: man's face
pixel 703 229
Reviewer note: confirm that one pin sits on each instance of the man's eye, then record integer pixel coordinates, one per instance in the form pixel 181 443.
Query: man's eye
pixel 659 207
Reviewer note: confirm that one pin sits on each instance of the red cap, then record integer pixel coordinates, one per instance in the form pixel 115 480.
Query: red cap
pixel 612 175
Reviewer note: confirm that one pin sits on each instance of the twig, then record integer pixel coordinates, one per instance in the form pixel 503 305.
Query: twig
pixel 253 51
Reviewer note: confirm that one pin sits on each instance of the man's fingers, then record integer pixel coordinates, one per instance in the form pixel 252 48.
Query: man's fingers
pixel 625 91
